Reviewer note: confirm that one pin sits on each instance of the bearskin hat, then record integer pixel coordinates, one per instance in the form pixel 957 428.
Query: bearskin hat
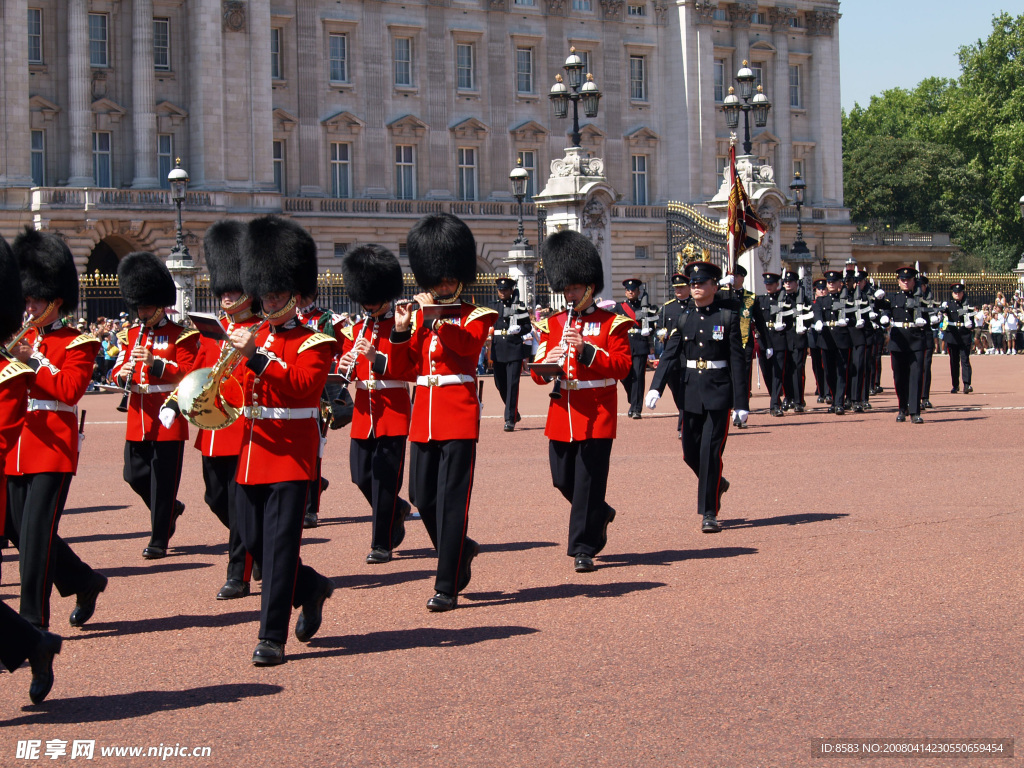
pixel 145 281
pixel 571 259
pixel 372 275
pixel 223 247
pixel 278 255
pixel 441 247
pixel 12 302
pixel 47 268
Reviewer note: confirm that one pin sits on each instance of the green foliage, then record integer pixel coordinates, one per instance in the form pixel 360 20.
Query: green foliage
pixel 948 155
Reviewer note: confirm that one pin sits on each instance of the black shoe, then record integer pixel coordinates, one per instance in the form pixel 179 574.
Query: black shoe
pixel 858 408
pixel 465 568
pixel 232 589
pixel 787 405
pixel 968 389
pixel 710 525
pixel 901 416
pixel 324 484
pixel 154 553
pixel 831 409
pixel 776 411
pixel 821 399
pixel 313 613
pixel 510 426
pixel 798 409
pixel 179 510
pixel 41 660
pixel 840 411
pixel 378 555
pixel 955 391
pixel 868 406
pixel 927 404
pixel 519 417
pixel 723 486
pixel 85 606
pixel 916 419
pixel 257 572
pixel 310 520
pixel 584 564
pixel 828 399
pixel 441 602
pixel 268 654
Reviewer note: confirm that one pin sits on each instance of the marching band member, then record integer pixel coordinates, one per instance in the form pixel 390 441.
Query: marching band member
pixel 40 467
pixel 446 411
pixel 157 355
pixel 796 342
pixel 670 312
pixel 380 425
pixel 593 346
pixel 773 356
pixel 286 369
pixel 832 323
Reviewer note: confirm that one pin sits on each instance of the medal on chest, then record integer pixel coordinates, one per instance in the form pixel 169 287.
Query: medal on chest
pixel 718 332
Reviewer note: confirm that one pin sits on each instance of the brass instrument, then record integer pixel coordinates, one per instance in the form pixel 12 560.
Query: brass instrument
pixel 28 326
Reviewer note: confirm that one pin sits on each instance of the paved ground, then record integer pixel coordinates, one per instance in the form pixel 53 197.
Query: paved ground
pixel 867 585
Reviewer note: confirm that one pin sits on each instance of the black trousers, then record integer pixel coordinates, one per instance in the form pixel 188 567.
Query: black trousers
pixel 378 467
pixel 907 378
pixel 795 375
pixel 271 527
pixel 675 385
pixel 926 370
pixel 579 470
pixel 441 482
pixel 506 380
pixel 878 362
pixel 315 487
pixel 17 638
pixel 748 360
pixel 635 383
pixel 221 498
pixel 775 372
pixel 818 369
pixel 858 373
pixel 153 469
pixel 35 504
pixel 704 436
pixel 959 359
pixel 837 364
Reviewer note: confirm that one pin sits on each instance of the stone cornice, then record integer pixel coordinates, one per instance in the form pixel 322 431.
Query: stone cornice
pixel 820 22
pixel 740 13
pixel 611 10
pixel 779 17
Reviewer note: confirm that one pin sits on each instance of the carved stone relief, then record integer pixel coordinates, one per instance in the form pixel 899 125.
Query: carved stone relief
pixel 234 15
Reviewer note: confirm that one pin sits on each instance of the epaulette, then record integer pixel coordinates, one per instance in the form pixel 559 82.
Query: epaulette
pixel 122 337
pixel 185 334
pixel 541 325
pixel 619 320
pixel 347 332
pixel 85 338
pixel 671 301
pixel 479 312
pixel 12 369
pixel 316 338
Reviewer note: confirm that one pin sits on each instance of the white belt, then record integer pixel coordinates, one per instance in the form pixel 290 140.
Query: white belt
pixel 908 325
pixel 587 384
pixel 379 384
pixel 702 364
pixel 444 381
pixel 50 405
pixel 149 389
pixel 262 412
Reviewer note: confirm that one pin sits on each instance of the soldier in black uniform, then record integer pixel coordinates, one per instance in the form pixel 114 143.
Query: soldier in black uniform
pixel 706 342
pixel 773 309
pixel 860 332
pixel 670 312
pixel 929 303
pixel 906 316
pixel 509 347
pixel 816 345
pixel 746 306
pixel 831 321
pixel 639 344
pixel 797 331
pixel 959 336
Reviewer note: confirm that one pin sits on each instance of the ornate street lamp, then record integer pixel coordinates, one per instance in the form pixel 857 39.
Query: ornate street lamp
pixel 799 250
pixel 576 91
pixel 179 184
pixel 520 179
pixel 747 100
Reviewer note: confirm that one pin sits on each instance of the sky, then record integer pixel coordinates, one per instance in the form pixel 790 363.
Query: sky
pixel 887 44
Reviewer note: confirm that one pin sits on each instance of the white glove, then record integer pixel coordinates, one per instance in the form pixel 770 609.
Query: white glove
pixel 651 401
pixel 945 305
pixel 860 323
pixel 968 323
pixel 768 353
pixel 514 329
pixel 726 281
pixel 780 326
pixel 818 325
pixel 920 322
pixel 879 294
pixel 801 331
pixel 842 322
pixel 934 319
pixel 167 416
pixel 884 320
pixel 645 331
pixel 742 415
pixel 872 315
pixel 662 333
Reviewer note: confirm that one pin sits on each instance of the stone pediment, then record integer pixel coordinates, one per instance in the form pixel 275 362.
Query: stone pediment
pixel 284 121
pixel 591 132
pixel 109 108
pixel 408 126
pixel 766 137
pixel 169 116
pixel 344 124
pixel 763 45
pixel 529 130
pixel 470 128
pixel 642 137
pixel 41 111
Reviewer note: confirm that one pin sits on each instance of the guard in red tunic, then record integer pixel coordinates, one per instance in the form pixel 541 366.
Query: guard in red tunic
pixel 592 346
pixel 380 427
pixel 43 462
pixel 158 353
pixel 442 356
pixel 285 372
pixel 19 639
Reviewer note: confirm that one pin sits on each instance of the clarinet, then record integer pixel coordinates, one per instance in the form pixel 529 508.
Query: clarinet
pixel 123 405
pixel 556 391
pixel 352 366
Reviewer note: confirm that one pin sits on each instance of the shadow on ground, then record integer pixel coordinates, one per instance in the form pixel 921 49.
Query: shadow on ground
pixel 669 556
pixel 408 639
pixel 557 592
pixel 796 519
pixel 174 623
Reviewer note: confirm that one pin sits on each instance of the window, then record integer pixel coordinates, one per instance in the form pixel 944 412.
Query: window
pixel 162 44
pixel 403 61
pixel 720 14
pixel 98 53
pixel 721 164
pixel 279 169
pixel 529 3
pixel 794 21
pixel 758 18
pixel 467 173
pixel 524 70
pixel 38 159
pixel 338 55
pixel 636 10
pixel 640 252
pixel 341 169
pixel 638 78
pixel 640 179
pixel 529 160
pixel 758 70
pixel 794 86
pixel 101 158
pixel 164 158
pixel 276 70
pixel 405 172
pixel 464 69
pixel 35 36
pixel 719 80
pixel 340 249
pixel 585 58
pixel 582 5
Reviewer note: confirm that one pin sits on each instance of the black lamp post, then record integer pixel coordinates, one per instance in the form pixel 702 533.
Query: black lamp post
pixel 520 178
pixel 746 101
pixel 799 251
pixel 576 91
pixel 179 184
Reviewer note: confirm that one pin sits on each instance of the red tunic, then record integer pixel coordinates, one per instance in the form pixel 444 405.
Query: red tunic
pixel 49 439
pixel 226 441
pixel 379 412
pixel 584 413
pixel 175 350
pixel 15 379
pixel 288 372
pixel 449 411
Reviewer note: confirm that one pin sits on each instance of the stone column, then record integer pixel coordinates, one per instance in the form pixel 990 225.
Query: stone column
pixel 205 159
pixel 309 149
pixel 521 264
pixel 781 115
pixel 827 181
pixel 79 112
pixel 143 82
pixel 739 15
pixel 15 146
pixel 436 159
